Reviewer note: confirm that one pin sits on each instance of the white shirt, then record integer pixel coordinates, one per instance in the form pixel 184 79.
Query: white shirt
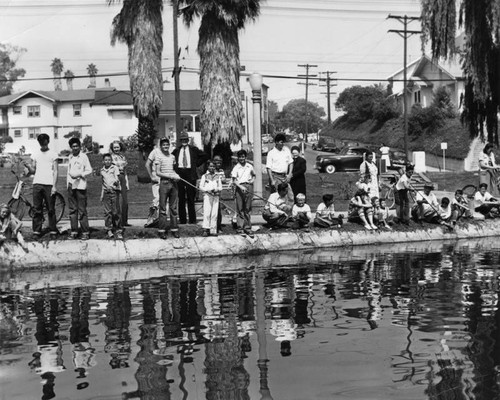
pixel 153 157
pixel 403 182
pixel 479 199
pixel 324 211
pixel 279 160
pixel 184 153
pixel 44 161
pixel 78 165
pixel 243 173
pixel 209 182
pixel 275 203
pixel 431 199
pixel 488 159
pixel 445 213
pixel 296 209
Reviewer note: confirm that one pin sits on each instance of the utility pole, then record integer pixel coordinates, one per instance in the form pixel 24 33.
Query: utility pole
pixel 176 72
pixel 307 76
pixel 328 93
pixel 405 34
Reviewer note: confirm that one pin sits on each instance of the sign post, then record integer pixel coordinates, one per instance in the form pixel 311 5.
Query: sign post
pixel 444 146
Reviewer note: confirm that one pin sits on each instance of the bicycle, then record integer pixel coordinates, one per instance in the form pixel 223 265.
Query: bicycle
pixel 18 202
pixel 469 191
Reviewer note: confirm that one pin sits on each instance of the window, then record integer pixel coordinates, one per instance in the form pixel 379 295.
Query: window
pixel 416 96
pixel 54 110
pixel 17 110
pixel 18 133
pixel 77 110
pixel 56 133
pixel 33 133
pixel 33 111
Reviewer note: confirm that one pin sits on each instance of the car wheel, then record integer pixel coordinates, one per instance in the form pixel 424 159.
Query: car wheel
pixel 330 169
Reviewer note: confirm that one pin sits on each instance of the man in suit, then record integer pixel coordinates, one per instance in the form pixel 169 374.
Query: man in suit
pixel 188 158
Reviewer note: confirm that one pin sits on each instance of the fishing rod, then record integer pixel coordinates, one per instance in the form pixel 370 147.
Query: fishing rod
pixel 418 192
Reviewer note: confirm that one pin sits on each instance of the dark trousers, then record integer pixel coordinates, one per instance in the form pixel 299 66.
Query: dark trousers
pixel 243 207
pixel 275 220
pixel 403 199
pixel 187 194
pixel 123 199
pixel 112 212
pixel 41 195
pixel 77 203
pixel 168 191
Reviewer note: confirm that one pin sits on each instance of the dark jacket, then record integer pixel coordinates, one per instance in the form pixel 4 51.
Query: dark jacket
pixel 298 180
pixel 198 157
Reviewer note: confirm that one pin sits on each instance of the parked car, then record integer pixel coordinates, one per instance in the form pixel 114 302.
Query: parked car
pixel 348 159
pixel 325 147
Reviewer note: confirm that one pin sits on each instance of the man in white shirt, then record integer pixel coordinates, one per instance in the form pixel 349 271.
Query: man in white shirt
pixel 403 196
pixel 45 169
pixel 78 170
pixel 279 165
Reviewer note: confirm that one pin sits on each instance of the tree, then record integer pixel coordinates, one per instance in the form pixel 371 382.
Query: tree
pixel 480 55
pixel 362 103
pixel 139 25
pixel 69 75
pixel 293 116
pixel 92 72
pixel 9 74
pixel 218 47
pixel 57 68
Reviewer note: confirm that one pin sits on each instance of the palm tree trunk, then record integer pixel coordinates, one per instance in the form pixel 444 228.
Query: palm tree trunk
pixel 219 50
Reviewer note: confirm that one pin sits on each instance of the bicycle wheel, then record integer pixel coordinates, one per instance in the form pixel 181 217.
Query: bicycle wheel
pixel 469 191
pixel 59 206
pixel 17 207
pixel 389 198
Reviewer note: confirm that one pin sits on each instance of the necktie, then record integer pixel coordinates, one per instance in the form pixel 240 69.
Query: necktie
pixel 184 159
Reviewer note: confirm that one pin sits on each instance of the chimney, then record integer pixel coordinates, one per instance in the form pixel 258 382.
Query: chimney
pixel 107 83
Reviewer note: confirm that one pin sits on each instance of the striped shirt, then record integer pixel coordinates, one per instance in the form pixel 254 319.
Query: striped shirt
pixel 165 164
pixel 110 180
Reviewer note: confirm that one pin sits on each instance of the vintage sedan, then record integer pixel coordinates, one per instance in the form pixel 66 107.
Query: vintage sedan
pixel 348 159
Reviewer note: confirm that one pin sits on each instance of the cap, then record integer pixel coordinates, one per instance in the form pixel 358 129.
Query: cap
pixel 429 186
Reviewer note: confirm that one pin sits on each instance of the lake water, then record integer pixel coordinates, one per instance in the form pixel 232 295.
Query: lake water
pixel 386 322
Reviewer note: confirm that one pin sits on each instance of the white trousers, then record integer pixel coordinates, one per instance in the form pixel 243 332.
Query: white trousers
pixel 210 211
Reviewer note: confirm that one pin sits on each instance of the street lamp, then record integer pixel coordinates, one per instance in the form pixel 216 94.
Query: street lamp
pixel 255 80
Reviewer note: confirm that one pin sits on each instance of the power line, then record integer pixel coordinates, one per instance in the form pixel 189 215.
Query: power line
pixel 307 84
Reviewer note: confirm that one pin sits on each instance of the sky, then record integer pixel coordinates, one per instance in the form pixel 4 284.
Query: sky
pixel 348 37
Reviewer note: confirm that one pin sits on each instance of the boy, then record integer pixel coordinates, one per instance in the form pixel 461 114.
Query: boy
pixel 168 190
pixel 211 186
pixel 45 168
pixel 220 171
pixel 403 196
pixel 243 177
pixel 325 214
pixel 78 170
pixel 110 196
pixel 460 205
pixel 301 212
pixel 446 215
pixel 9 224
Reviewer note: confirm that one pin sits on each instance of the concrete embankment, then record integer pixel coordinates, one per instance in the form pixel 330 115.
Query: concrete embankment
pixel 98 252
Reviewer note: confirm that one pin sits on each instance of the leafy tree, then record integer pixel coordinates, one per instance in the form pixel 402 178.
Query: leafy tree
pixel 131 142
pixel 480 54
pixel 442 101
pixel 57 67
pixel 9 74
pixel 218 46
pixel 146 134
pixel 3 140
pixel 73 134
pixel 362 103
pixel 293 116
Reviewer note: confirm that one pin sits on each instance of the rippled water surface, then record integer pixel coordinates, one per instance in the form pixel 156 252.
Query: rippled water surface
pixel 371 323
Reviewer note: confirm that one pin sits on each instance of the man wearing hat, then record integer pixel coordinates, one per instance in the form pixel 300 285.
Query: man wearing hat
pixel 426 206
pixel 188 158
pixel 45 169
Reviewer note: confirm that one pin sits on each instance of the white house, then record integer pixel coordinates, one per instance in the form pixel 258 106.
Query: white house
pixel 424 76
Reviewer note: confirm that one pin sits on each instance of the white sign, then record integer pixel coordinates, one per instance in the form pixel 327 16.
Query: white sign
pixel 444 146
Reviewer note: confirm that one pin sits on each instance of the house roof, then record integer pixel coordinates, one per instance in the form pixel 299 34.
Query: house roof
pixel 414 69
pixel 54 96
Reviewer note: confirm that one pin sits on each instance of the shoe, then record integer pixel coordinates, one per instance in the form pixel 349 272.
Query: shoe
pixel 162 235
pixel 110 234
pixel 205 233
pixel 249 233
pixel 85 236
pixel 368 227
pixel 53 236
pixel 72 236
pixel 374 227
pixel 175 234
pixel 119 236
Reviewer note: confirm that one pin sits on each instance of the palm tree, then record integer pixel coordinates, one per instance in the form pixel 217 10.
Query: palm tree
pixel 139 25
pixel 57 68
pixel 69 75
pixel 92 72
pixel 480 55
pixel 219 50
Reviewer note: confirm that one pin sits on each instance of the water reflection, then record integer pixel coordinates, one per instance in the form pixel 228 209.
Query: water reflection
pixel 388 325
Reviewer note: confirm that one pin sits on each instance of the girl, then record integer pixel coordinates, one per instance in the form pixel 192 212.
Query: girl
pixel 325 214
pixel 116 149
pixel 383 214
pixel 360 208
pixel 211 186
